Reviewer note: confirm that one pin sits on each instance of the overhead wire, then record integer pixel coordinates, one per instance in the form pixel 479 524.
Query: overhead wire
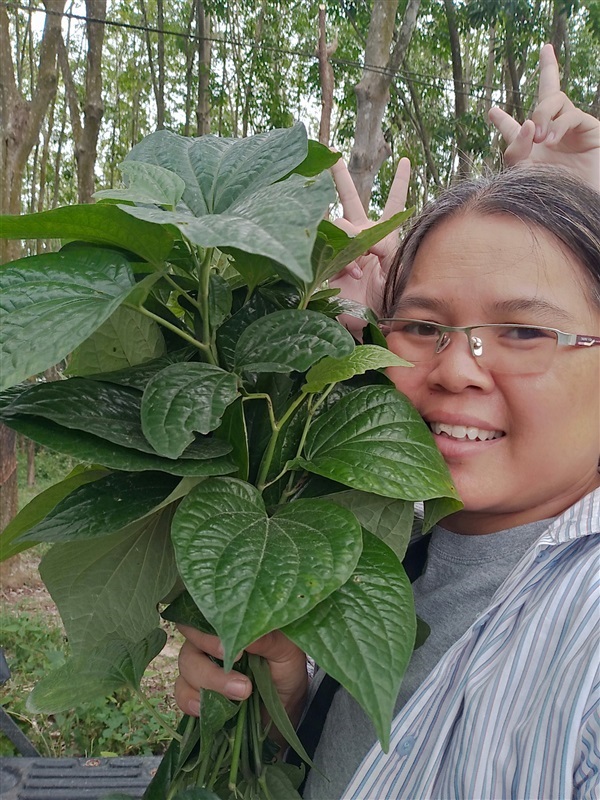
pixel 420 78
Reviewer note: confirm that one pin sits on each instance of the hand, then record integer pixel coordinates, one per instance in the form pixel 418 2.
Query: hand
pixel 363 280
pixel 557 133
pixel 197 671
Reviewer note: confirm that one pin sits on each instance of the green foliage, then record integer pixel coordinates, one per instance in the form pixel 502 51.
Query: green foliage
pixel 119 723
pixel 202 442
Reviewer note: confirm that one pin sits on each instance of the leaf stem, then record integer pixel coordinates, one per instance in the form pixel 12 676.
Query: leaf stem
pixel 267 458
pixel 174 329
pixel 178 288
pixel 204 289
pixel 158 716
pixel 237 745
pixel 255 730
pixel 218 761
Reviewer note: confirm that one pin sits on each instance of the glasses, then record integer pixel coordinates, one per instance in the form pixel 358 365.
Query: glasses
pixel 515 349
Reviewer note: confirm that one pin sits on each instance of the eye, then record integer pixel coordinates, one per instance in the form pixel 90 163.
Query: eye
pixel 525 334
pixel 419 328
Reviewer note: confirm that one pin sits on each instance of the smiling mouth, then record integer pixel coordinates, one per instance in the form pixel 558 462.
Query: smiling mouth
pixel 464 432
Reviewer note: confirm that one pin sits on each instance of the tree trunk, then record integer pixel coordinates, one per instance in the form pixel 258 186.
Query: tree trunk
pixel 326 77
pixel 460 94
pixel 204 54
pixel 372 91
pixel 255 50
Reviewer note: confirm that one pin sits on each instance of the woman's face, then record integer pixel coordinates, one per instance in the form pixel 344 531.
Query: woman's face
pixel 478 269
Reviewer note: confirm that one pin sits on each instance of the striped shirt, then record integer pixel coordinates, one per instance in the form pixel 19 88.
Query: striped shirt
pixel 512 710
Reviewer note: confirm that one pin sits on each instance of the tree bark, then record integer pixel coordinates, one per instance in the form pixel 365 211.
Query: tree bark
pixel 326 77
pixel 460 93
pixel 204 55
pixel 373 90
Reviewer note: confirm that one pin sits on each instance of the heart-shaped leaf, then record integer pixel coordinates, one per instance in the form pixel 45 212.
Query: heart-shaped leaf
pixel 363 634
pixel 137 377
pixel 332 370
pixel 182 399
pixel 290 340
pixel 126 339
pixel 95 674
pixel 373 439
pixel 110 588
pixel 249 573
pixel 103 507
pixel 50 304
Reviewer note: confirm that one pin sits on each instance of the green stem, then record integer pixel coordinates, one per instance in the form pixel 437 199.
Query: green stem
pixel 265 464
pixel 158 716
pixel 178 288
pixel 218 761
pixel 204 288
pixel 237 745
pixel 174 329
pixel 267 397
pixel 255 730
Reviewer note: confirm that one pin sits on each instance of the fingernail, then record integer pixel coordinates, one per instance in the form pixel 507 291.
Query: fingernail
pixel 538 132
pixel 356 273
pixel 194 708
pixel 236 689
pixel 551 137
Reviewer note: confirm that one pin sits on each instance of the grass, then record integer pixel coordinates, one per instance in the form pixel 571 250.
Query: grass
pixel 33 640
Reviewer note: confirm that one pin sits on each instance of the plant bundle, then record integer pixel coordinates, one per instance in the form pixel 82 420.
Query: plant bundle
pixel 245 463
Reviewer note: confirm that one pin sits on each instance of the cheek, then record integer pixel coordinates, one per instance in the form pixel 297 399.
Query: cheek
pixel 408 380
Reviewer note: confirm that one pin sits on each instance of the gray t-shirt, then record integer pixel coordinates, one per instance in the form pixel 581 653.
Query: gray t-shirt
pixel 460 578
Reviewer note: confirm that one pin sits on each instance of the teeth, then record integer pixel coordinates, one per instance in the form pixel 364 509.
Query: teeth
pixel 464 432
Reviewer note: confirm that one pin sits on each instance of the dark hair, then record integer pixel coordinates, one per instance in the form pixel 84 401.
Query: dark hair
pixel 549 198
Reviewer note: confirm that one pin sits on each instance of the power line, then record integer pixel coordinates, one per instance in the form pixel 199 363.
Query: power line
pixel 422 79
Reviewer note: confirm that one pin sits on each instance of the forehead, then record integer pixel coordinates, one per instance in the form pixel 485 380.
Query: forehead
pixel 478 263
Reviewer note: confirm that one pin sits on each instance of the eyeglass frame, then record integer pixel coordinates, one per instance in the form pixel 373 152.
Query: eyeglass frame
pixel 562 338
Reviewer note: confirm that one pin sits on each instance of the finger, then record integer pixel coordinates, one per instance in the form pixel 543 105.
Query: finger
pixel 200 672
pixel 399 190
pixel 549 80
pixel 520 147
pixel 508 127
pixel 573 121
pixel 353 208
pixel 205 642
pixel 547 110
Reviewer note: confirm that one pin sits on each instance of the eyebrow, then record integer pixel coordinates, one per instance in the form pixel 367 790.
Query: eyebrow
pixel 542 309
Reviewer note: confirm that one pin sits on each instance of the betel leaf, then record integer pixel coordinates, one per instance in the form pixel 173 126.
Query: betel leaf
pixel 437 508
pixel 101 224
pixel 290 340
pixel 390 520
pixel 373 439
pixel 146 183
pixel 363 634
pixel 249 573
pixel 233 431
pixel 96 673
pixel 332 370
pixel 91 449
pixel 103 507
pixel 278 222
pixel 49 304
pixel 216 710
pixel 220 299
pixel 183 399
pixel 216 171
pixel 184 611
pixel 318 158
pixel 11 541
pixel 137 377
pixel 278 783
pixel 126 339
pixel 110 588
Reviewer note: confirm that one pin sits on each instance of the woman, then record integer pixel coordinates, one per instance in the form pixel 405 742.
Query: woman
pixel 502 700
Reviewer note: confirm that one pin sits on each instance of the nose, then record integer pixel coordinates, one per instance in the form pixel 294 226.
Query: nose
pixel 455 368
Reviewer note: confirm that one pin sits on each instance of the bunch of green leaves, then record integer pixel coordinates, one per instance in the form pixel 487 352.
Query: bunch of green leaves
pixel 243 458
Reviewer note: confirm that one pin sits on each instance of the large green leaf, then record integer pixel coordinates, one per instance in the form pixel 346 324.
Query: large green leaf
pixel 331 370
pixel 50 304
pixel 102 224
pixel 233 431
pixel 103 507
pixel 126 339
pixel 11 541
pixel 373 439
pixel 290 340
pixel 437 508
pixel 182 399
pixel 137 377
pixel 96 673
pixel 278 222
pixel 93 450
pixel 363 634
pixel 146 183
pixel 108 411
pixel 249 573
pixel 217 171
pixel 110 587
pixel 390 520
pixel 216 710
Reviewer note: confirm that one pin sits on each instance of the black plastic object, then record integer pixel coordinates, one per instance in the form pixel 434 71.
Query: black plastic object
pixel 75 778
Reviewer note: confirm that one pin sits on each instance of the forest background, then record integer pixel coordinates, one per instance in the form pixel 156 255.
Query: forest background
pixel 81 81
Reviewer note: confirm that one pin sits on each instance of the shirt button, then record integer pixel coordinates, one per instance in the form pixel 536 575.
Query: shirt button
pixel 405 745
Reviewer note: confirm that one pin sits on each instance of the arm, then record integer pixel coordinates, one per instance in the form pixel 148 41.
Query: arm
pixel 557 133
